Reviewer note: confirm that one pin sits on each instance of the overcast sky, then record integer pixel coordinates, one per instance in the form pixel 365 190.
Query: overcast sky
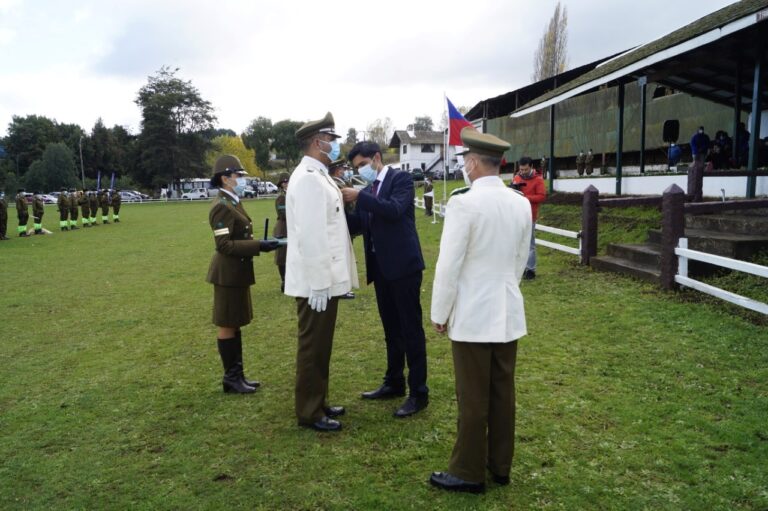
pixel 77 60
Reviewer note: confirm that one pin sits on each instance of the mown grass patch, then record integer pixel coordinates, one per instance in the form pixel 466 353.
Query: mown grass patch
pixel 111 397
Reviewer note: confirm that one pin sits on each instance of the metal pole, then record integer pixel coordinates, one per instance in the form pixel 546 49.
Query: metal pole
pixel 643 86
pixel 736 114
pixel 619 138
pixel 82 167
pixel 552 149
pixel 754 134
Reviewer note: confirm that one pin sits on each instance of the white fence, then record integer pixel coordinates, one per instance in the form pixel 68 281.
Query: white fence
pixel 684 254
pixel 558 246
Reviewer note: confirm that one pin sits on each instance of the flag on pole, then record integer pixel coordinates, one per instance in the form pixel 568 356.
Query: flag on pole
pixel 98 181
pixel 456 123
pixel 112 182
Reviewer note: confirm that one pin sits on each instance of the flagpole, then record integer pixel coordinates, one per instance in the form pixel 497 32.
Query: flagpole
pixel 445 148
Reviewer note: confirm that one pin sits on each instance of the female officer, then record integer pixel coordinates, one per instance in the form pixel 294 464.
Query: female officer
pixel 281 228
pixel 231 270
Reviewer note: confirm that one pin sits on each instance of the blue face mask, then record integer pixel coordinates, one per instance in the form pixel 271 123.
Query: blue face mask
pixel 367 173
pixel 240 186
pixel 335 150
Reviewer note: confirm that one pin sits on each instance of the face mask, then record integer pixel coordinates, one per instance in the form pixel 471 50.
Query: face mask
pixel 240 186
pixel 467 172
pixel 335 150
pixel 367 173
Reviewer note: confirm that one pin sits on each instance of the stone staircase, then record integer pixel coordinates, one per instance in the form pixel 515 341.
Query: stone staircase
pixel 735 235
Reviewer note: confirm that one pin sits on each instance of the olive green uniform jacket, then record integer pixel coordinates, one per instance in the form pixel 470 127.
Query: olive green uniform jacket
pixel 38 209
pixel 84 203
pixel 63 207
pixel 3 216
pixel 281 228
pixel 231 269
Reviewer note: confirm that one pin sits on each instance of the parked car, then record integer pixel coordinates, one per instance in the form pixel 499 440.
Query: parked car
pixel 129 197
pixel 417 174
pixel 197 193
pixel 249 192
pixel 143 196
pixel 266 187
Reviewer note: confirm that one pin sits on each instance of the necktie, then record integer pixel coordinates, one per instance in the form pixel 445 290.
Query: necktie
pixel 375 188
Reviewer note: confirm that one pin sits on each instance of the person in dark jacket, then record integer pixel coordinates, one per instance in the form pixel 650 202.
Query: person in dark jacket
pixel 385 216
pixel 231 270
pixel 3 217
pixel 699 145
pixel 281 228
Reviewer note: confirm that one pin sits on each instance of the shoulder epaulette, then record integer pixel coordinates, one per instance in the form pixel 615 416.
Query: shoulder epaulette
pixel 459 191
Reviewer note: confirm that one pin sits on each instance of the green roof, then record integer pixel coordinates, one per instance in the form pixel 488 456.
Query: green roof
pixel 701 26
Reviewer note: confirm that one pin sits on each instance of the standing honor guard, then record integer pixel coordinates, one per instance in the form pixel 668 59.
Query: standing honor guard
pixel 38 210
pixel 85 207
pixel 73 202
pixel 116 201
pixel 231 269
pixel 320 267
pixel 476 300
pixel 22 210
pixel 104 203
pixel 281 228
pixel 63 206
pixel 93 204
pixel 3 217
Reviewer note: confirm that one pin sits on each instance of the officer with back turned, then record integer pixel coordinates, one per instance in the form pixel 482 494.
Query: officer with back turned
pixel 63 206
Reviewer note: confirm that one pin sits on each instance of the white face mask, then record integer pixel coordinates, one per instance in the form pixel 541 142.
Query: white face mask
pixel 367 172
pixel 465 170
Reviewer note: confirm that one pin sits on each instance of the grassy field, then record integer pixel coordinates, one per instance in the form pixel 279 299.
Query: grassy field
pixel 628 398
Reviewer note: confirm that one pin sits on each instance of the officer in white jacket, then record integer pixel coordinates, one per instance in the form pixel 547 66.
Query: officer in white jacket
pixel 476 300
pixel 320 267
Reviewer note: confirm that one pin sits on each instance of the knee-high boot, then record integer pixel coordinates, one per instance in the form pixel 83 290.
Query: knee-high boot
pixel 239 341
pixel 229 350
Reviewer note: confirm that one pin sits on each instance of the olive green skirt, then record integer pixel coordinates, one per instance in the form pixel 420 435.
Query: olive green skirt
pixel 232 306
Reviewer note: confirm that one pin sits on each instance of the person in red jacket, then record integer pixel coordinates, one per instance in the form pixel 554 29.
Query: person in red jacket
pixel 530 183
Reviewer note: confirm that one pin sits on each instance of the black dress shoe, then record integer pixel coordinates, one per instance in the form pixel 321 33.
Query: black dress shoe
pixel 529 275
pixel 446 481
pixel 334 411
pixel 502 480
pixel 324 425
pixel 411 406
pixel 347 296
pixel 383 392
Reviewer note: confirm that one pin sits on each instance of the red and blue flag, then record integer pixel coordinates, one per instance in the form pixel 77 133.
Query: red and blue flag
pixel 456 123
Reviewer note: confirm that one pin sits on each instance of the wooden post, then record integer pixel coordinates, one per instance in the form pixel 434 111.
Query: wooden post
pixel 672 229
pixel 619 138
pixel 643 82
pixel 736 113
pixel 589 224
pixel 696 181
pixel 551 149
pixel 754 134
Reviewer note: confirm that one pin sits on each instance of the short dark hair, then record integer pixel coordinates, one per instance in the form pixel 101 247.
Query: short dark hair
pixel 365 149
pixel 525 160
pixel 216 179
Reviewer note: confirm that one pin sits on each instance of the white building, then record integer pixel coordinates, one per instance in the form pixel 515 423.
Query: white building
pixel 422 150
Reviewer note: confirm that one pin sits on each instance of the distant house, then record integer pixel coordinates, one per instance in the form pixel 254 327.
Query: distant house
pixel 422 150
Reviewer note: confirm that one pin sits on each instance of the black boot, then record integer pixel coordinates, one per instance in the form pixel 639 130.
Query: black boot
pixel 239 341
pixel 233 370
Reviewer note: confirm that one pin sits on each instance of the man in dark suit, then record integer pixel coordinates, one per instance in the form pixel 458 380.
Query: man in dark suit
pixel 384 214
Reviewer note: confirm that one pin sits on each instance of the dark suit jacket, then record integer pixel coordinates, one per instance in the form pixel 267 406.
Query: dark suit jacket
pixel 387 223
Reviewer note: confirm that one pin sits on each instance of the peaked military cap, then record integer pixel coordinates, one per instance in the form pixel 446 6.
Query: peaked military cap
pixel 337 163
pixel 324 125
pixel 228 164
pixel 482 143
pixel 284 178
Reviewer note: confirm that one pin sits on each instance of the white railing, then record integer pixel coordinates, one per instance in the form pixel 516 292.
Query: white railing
pixel 684 254
pixel 558 246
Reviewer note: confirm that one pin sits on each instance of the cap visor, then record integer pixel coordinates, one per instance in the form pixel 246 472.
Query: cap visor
pixel 462 153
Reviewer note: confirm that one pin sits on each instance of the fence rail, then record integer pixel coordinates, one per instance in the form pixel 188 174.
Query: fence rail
pixel 558 246
pixel 684 254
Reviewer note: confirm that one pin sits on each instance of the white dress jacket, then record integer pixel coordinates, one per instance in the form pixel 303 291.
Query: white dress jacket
pixel 319 254
pixel 483 251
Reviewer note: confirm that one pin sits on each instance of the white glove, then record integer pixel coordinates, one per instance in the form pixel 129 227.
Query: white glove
pixel 318 299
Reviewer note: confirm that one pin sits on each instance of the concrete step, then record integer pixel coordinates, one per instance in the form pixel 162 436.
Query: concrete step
pixel 626 267
pixel 734 245
pixel 734 224
pixel 647 253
